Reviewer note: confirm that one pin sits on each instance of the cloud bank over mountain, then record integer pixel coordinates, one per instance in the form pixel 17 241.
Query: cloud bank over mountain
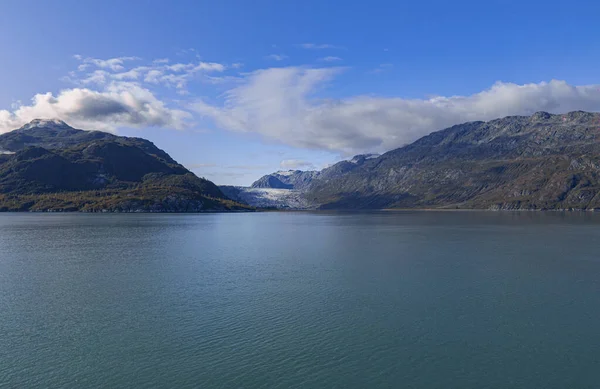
pixel 118 105
pixel 286 105
pixel 280 104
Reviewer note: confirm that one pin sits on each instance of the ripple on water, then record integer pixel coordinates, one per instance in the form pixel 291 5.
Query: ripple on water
pixel 301 300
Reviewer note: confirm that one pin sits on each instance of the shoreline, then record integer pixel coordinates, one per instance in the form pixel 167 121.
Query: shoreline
pixel 258 210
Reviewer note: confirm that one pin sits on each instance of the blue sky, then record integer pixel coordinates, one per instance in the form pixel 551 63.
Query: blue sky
pixel 237 89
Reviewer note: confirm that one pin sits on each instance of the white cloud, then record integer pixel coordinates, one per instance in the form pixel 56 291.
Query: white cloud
pixel 114 64
pixel 277 57
pixel 267 96
pixel 287 105
pixel 280 105
pixel 196 67
pixel 110 94
pixel 159 72
pixel 315 46
pixel 156 76
pixel 153 76
pixel 132 74
pixel 96 77
pixel 180 67
pixel 178 81
pixel 120 105
pixel 330 59
pixel 209 67
pixel 221 80
pixel 296 164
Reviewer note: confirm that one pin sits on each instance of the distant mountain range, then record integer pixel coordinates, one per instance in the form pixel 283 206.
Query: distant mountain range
pixel 538 162
pixel 302 180
pixel 49 166
pixel 287 189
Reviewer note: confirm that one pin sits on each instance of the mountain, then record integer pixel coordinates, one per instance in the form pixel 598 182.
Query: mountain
pixel 301 180
pixel 272 181
pixel 48 165
pixel 291 179
pixel 50 134
pixel 286 189
pixel 342 167
pixel 542 161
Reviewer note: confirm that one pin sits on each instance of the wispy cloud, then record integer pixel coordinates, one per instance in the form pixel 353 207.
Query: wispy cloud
pixel 318 46
pixel 277 57
pixel 96 77
pixel 114 64
pixel 209 67
pixel 187 52
pixel 382 68
pixel 132 74
pixel 159 72
pixel 330 59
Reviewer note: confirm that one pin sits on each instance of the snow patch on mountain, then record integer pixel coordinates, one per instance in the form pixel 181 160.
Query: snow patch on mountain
pixel 39 123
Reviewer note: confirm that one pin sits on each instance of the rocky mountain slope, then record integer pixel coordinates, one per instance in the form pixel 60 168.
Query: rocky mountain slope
pixel 49 166
pixel 301 180
pixel 541 161
pixel 536 162
pixel 291 179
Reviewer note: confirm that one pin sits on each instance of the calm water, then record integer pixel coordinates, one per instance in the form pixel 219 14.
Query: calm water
pixel 299 300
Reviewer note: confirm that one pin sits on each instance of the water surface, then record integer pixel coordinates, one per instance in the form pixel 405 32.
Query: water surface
pixel 300 300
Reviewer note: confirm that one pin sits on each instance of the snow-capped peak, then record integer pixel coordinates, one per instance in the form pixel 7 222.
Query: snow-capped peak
pixel 36 123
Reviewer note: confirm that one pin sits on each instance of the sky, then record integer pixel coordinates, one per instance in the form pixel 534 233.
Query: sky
pixel 237 89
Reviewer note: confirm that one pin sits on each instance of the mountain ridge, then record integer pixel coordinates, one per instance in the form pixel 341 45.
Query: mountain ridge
pixel 542 161
pixel 46 165
pixel 539 162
